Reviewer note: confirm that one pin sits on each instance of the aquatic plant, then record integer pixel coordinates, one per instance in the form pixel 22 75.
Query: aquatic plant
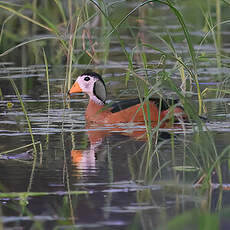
pixel 68 34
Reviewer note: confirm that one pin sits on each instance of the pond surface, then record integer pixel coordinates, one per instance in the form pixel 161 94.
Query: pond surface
pixel 107 165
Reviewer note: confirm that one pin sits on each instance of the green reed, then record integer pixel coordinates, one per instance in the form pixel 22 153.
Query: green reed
pixel 40 19
pixel 25 113
pixel 1 95
pixel 28 194
pixel 73 22
pixel 195 219
pixel 19 148
pixel 187 36
pixel 212 26
pixel 48 93
pixel 30 131
pixel 208 159
pixel 73 29
pixel 131 69
pixel 205 156
pixel 146 164
pixel 21 15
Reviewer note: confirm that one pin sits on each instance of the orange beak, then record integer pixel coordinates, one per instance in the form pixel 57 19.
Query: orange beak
pixel 75 89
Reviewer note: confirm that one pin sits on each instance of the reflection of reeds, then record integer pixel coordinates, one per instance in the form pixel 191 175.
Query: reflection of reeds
pixel 30 131
pixel 147 165
pixel 26 115
pixel 209 161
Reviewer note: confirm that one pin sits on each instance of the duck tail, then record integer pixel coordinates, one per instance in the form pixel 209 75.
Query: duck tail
pixel 177 113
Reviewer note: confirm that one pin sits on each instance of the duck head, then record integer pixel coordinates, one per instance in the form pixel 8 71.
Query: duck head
pixel 92 84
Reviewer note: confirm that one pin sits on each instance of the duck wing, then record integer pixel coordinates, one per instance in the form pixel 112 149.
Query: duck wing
pixel 121 105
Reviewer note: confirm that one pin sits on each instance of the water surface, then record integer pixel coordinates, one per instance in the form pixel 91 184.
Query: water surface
pixel 105 162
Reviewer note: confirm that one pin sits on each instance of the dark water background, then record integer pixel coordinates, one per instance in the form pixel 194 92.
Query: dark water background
pixel 118 195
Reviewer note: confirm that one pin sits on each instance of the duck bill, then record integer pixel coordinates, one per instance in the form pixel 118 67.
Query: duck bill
pixel 75 89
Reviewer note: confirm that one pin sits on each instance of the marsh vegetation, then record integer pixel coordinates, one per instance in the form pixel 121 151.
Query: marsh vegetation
pixel 58 172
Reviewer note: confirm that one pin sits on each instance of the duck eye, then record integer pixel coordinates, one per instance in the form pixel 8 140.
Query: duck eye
pixel 87 78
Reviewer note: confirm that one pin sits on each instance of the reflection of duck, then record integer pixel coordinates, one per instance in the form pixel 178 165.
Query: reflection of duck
pixel 120 112
pixel 87 160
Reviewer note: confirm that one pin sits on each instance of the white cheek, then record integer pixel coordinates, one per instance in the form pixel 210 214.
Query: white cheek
pixel 87 86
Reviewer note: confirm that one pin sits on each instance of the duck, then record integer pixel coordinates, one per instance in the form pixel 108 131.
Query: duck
pixel 131 110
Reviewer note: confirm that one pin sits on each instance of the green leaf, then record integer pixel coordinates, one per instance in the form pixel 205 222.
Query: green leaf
pixel 186 168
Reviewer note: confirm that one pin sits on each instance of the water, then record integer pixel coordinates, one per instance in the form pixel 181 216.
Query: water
pixel 105 162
